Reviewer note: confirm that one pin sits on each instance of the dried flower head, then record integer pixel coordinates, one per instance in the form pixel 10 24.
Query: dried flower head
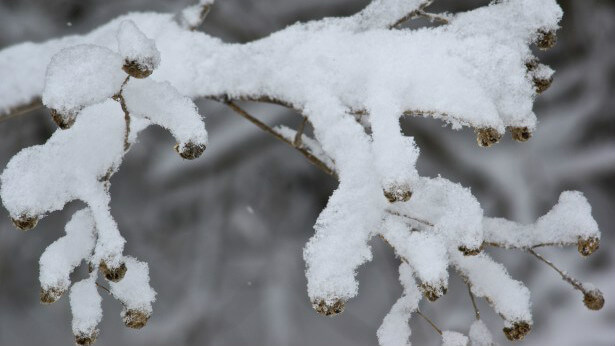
pixel 431 292
pixel 487 136
pixel 51 294
pixel 329 309
pixel 397 193
pixel 546 39
pixel 113 274
pixel 588 246
pixel 542 84
pixel 86 339
pixel 594 300
pixel 134 318
pixel 64 121
pixel 470 251
pixel 520 134
pixel 190 151
pixel 518 331
pixel 25 222
pixel 137 70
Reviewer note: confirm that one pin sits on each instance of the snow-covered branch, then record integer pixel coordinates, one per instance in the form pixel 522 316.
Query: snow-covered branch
pixel 476 69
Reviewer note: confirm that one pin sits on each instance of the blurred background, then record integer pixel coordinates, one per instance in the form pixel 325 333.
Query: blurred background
pixel 223 235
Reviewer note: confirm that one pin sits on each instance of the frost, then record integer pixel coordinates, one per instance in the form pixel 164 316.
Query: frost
pixel 450 338
pixel 81 76
pixel 480 335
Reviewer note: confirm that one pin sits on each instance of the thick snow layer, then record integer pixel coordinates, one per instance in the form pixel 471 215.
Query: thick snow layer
pixel 480 335
pixel 85 304
pixel 488 279
pixel 80 76
pixel 395 328
pixel 134 46
pixel 134 290
pixel 163 105
pixel 71 165
pixel 569 220
pixel 450 338
pixel 65 254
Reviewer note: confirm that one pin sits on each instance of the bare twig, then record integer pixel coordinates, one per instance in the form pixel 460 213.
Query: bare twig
pixel 103 287
pixel 433 325
pixel 22 109
pixel 572 281
pixel 476 311
pixel 299 134
pixel 313 159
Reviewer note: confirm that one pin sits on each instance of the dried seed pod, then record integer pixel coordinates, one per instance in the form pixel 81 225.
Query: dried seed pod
pixel 541 84
pixel 594 300
pixel 397 193
pixel 25 222
pixel 51 294
pixel 113 274
pixel 518 331
pixel 487 136
pixel 588 246
pixel 189 151
pixel 470 251
pixel 432 293
pixel 531 64
pixel 64 121
pixel 546 39
pixel 86 339
pixel 137 70
pixel 134 318
pixel 327 309
pixel 520 134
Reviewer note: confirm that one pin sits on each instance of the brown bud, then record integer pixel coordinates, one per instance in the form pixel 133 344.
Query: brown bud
pixel 64 121
pixel 113 274
pixel 324 308
pixel 134 318
pixel 518 331
pixel 431 292
pixel 51 294
pixel 546 39
pixel 397 193
pixel 531 64
pixel 487 136
pixel 520 134
pixel 470 251
pixel 136 69
pixel 86 339
pixel 25 222
pixel 594 300
pixel 542 84
pixel 588 246
pixel 190 151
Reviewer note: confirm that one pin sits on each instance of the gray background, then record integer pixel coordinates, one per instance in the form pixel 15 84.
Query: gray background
pixel 223 235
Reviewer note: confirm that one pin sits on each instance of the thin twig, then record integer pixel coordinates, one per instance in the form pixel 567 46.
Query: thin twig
pixel 103 287
pixel 299 134
pixel 572 281
pixel 476 311
pixel 313 159
pixel 22 109
pixel 433 325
